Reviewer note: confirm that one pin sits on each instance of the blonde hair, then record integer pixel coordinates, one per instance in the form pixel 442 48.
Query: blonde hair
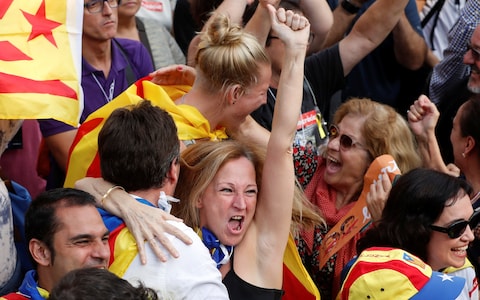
pixel 385 131
pixel 228 55
pixel 200 163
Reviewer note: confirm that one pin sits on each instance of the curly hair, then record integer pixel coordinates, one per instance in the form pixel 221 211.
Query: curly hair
pixel 385 131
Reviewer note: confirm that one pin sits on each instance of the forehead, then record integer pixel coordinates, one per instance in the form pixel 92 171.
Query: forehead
pixel 239 167
pixel 79 220
pixel 461 209
pixel 351 125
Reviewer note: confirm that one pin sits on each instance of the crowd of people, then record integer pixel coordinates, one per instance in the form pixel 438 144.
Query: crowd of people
pixel 231 145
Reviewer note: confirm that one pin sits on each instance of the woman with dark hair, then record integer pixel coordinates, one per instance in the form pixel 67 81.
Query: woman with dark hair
pixel 428 214
pixel 465 138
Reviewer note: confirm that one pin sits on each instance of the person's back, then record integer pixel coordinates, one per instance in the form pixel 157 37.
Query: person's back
pixel 138 150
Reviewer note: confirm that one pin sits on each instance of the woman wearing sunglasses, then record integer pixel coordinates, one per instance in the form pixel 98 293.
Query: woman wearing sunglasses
pixel 465 138
pixel 362 130
pixel 428 213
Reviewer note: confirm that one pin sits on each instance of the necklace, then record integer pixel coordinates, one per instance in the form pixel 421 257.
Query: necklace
pixel 110 91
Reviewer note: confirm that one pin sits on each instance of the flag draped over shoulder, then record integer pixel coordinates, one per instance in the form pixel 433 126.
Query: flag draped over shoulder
pixel 40 59
pixel 191 125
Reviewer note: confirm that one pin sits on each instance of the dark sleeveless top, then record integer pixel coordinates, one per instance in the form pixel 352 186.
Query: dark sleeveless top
pixel 239 289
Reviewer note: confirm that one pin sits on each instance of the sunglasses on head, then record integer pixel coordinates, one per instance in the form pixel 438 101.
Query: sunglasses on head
pixel 346 142
pixel 457 228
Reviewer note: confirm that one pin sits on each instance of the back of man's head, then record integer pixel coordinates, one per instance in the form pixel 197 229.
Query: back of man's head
pixel 137 146
pixel 41 222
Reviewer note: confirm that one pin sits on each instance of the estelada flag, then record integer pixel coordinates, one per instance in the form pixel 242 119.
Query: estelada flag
pixel 40 59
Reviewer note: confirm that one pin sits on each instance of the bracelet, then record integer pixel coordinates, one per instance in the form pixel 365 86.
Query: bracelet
pixel 108 193
pixel 349 7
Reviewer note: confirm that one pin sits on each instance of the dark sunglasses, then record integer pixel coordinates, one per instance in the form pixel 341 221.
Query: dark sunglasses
pixel 346 142
pixel 457 228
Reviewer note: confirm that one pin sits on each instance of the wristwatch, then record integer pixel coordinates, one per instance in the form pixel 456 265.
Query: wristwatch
pixel 349 7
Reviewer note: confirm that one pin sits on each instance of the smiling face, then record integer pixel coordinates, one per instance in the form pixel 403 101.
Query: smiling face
pixel 228 204
pixel 80 241
pixel 442 250
pixel 345 168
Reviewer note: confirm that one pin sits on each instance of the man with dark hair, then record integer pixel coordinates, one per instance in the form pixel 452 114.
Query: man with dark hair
pixel 64 232
pixel 139 149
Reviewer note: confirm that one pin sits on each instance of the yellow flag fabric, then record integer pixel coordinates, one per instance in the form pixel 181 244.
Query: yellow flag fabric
pixel 40 59
pixel 191 125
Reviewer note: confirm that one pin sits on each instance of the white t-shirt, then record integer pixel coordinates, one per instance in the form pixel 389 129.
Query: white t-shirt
pixel 193 275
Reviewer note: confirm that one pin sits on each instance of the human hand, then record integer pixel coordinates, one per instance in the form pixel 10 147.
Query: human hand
pixel 453 170
pixel 174 75
pixel 422 117
pixel 377 196
pixel 150 224
pixel 144 222
pixel 293 29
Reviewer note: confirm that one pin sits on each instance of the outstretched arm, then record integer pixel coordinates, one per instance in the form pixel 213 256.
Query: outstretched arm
pixel 369 31
pixel 144 222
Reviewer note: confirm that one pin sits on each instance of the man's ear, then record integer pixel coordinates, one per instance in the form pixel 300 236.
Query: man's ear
pixel 40 253
pixel 172 175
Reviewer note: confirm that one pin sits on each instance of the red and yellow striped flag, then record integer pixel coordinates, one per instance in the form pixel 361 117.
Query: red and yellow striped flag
pixel 297 283
pixel 40 59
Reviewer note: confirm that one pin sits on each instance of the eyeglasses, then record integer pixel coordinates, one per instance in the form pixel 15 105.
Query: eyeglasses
pixel 475 52
pixel 96 6
pixel 457 228
pixel 346 142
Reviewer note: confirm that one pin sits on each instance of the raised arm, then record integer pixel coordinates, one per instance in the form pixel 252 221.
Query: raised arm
pixel 320 17
pixel 422 118
pixel 274 206
pixel 409 45
pixel 369 31
pixel 234 9
pixel 342 20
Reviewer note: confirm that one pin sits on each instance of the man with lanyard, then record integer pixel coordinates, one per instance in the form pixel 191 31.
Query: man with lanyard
pixel 109 66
